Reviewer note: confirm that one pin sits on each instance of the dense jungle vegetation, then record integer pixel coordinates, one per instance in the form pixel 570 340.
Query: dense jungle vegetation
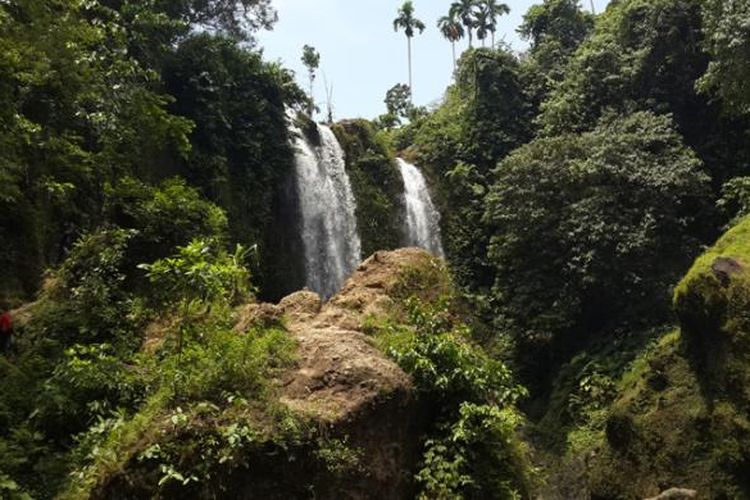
pixel 586 337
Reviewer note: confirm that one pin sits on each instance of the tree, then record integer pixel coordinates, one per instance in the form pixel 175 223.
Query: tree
pixel 560 20
pixel 727 40
pixel 453 31
pixel 649 56
pixel 555 29
pixel 232 18
pixel 398 101
pixel 465 10
pixel 241 155
pixel 496 10
pixel 576 222
pixel 482 23
pixel 490 10
pixel 484 117
pixel 311 60
pixel 408 23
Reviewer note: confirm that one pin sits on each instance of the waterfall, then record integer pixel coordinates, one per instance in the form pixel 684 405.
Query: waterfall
pixel 422 219
pixel 329 225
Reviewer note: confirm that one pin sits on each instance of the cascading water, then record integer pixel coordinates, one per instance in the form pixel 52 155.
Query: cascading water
pixel 422 219
pixel 329 224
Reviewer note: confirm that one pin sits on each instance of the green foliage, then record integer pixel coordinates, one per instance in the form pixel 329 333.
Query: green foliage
pixel 484 117
pixel 242 157
pixel 555 29
pixel 560 20
pixel 223 363
pixel 734 203
pixel 727 40
pixel 464 10
pixel 443 362
pixel 223 377
pixel 74 101
pixel 311 60
pixel 76 366
pixel 660 428
pixel 478 457
pixel 86 300
pixel 398 101
pixel 377 186
pixel 473 451
pixel 339 458
pixel 164 217
pixel 67 370
pixel 238 20
pixel 451 28
pixel 576 223
pixel 407 21
pixel 486 18
pixel 648 55
pixel 200 273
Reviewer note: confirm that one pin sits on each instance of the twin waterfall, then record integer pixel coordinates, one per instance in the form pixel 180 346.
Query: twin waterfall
pixel 332 247
pixel 329 224
pixel 422 220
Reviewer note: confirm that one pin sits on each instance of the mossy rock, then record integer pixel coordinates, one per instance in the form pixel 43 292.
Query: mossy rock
pixel 620 430
pixel 713 305
pixel 376 183
pixel 675 436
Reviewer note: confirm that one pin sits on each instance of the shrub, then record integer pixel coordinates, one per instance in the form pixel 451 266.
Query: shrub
pixel 477 457
pixel 473 451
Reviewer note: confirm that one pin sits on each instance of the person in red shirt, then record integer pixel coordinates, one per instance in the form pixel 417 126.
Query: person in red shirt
pixel 6 331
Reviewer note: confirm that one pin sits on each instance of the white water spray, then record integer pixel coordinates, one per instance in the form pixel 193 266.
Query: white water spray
pixel 329 225
pixel 422 219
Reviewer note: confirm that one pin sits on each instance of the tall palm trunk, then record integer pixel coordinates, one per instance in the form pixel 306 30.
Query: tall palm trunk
pixel 471 37
pixel 453 47
pixel 411 89
pixel 493 39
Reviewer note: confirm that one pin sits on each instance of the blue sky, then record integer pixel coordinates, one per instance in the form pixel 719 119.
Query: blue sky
pixel 362 57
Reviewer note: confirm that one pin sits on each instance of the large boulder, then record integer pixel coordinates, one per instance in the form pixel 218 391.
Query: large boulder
pixel 713 305
pixel 347 400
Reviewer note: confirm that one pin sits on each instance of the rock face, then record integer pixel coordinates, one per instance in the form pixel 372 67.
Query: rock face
pixel 342 391
pixel 344 383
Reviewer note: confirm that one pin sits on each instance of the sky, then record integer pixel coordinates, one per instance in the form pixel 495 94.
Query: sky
pixel 362 57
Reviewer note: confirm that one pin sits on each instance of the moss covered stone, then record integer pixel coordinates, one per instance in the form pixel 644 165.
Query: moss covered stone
pixel 377 185
pixel 713 305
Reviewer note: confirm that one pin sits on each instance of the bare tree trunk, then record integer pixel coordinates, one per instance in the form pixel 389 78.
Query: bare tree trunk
pixel 312 99
pixel 471 39
pixel 493 39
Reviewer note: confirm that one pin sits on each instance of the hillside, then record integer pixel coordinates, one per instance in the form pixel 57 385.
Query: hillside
pixel 534 285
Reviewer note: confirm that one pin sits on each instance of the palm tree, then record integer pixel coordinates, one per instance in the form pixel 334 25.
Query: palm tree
pixel 492 11
pixel 465 10
pixel 453 31
pixel 408 23
pixel 482 23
